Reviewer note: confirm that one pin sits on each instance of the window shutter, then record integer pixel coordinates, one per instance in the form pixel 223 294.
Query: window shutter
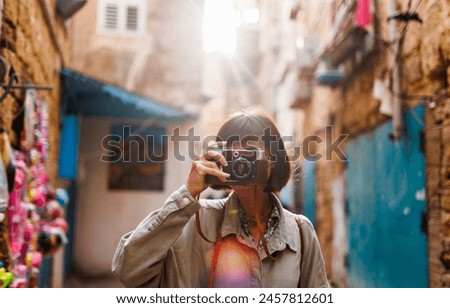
pixel 111 16
pixel 132 18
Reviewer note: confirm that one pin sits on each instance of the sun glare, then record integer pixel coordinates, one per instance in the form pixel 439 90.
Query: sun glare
pixel 219 26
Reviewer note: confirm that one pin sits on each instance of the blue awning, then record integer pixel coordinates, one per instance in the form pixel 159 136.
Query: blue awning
pixel 90 97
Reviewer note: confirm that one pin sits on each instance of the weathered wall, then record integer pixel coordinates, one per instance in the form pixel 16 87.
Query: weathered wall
pixel 425 63
pixel 351 108
pixel 35 42
pixel 437 136
pixel 164 63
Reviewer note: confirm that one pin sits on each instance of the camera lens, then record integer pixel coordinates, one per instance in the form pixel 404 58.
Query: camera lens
pixel 241 168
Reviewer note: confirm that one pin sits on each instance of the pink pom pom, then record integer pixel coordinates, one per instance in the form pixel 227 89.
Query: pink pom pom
pixel 39 197
pixel 29 230
pixel 60 223
pixel 19 179
pixel 36 259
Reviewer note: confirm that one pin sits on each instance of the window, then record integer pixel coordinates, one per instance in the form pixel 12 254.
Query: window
pixel 136 157
pixel 122 17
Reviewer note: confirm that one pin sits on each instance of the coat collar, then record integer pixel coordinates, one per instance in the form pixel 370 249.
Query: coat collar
pixel 281 238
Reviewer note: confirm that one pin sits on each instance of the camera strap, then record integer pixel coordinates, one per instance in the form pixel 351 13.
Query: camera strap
pixel 260 228
pixel 217 245
pixel 199 227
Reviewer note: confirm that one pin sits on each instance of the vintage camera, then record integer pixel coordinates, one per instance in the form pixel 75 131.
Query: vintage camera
pixel 245 166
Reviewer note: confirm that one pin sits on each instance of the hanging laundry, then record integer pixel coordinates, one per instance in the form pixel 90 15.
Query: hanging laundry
pixel 362 13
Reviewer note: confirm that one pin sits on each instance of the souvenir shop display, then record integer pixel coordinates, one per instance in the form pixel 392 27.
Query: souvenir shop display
pixel 32 223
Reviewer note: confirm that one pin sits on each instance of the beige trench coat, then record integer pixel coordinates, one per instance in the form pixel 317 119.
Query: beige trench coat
pixel 166 250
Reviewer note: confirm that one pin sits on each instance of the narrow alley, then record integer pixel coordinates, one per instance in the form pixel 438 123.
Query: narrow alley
pixel 109 111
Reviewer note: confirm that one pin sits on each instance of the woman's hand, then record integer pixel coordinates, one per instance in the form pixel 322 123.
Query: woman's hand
pixel 205 164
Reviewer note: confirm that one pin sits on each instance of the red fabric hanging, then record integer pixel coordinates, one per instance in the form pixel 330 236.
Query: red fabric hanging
pixel 362 13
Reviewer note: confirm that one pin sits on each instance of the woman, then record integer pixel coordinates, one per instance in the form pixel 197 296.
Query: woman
pixel 244 240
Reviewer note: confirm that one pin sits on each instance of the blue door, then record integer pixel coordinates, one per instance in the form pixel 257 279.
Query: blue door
pixel 309 190
pixel 385 185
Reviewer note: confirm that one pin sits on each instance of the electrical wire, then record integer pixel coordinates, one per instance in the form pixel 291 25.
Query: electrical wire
pixel 431 6
pixel 399 36
pixel 426 98
pixel 416 6
pixel 412 96
pixel 428 126
pixel 402 30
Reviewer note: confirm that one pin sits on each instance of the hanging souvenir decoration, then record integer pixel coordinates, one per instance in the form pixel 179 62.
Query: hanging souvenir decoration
pixel 35 222
pixel 8 158
pixel 5 255
pixel 3 190
pixel 28 120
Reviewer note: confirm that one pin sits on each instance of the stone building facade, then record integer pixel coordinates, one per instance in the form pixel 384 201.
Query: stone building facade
pixel 162 60
pixel 35 42
pixel 351 108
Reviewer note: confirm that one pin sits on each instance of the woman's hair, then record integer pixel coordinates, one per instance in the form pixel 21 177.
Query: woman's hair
pixel 251 124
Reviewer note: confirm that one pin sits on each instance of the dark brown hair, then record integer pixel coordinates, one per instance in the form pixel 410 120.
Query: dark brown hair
pixel 254 123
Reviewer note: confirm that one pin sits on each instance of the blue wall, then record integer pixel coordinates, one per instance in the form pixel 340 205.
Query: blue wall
pixel 385 185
